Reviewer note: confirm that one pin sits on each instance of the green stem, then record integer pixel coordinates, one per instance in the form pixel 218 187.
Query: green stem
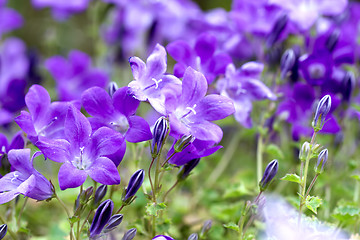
pixel 21 212
pixel 311 185
pixel 172 187
pixel 225 160
pixel 149 174
pixel 259 159
pixel 118 211
pixel 67 213
pixel 12 234
pixel 86 219
pixel 357 191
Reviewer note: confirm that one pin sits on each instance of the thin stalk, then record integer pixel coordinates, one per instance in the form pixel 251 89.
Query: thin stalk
pixel 118 211
pixel 21 212
pixel 162 165
pixel 225 160
pixel 311 185
pixel 67 213
pixel 259 158
pixel 86 219
pixel 149 174
pixel 357 191
pixel 172 187
pixel 12 234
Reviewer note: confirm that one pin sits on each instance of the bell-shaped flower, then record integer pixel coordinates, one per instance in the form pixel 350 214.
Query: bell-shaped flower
pixel 192 112
pixel 83 153
pixel 116 112
pixel 150 80
pixel 25 179
pixel 44 118
pixel 162 237
pixel 243 87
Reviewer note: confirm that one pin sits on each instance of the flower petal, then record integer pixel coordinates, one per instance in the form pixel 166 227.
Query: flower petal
pixel 214 107
pixel 105 141
pixel 205 46
pixel 104 171
pixel 139 130
pixel 57 150
pixel 137 67
pixel 156 63
pixel 25 122
pixel 181 51
pixel 38 102
pixel 206 131
pixel 124 102
pixel 195 87
pixel 97 102
pixel 77 128
pixel 70 176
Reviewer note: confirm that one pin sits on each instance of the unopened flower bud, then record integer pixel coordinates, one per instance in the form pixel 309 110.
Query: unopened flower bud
pixel 130 234
pixel 277 29
pixel 304 152
pixel 348 85
pixel 114 221
pixel 322 110
pixel 3 230
pixel 193 236
pixel 206 227
pixel 112 87
pixel 83 197
pixel 332 40
pixel 187 168
pixel 270 172
pixel 322 158
pixel 183 142
pixel 102 217
pixel 161 128
pixel 287 62
pixel 99 195
pixel 135 183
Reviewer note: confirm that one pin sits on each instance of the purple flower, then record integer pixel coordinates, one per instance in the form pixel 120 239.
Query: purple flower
pixel 202 57
pixel 162 237
pixel 14 67
pixel 150 80
pixel 192 112
pixel 83 153
pixel 116 112
pixel 75 75
pixel 135 183
pixel 17 142
pixel 61 10
pixel 196 149
pixel 9 19
pixel 304 13
pixel 270 172
pixel 317 67
pixel 243 86
pixel 44 118
pixel 25 179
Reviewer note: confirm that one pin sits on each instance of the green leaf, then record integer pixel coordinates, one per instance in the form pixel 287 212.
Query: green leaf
pixel 275 151
pixel 237 191
pixel 347 212
pixel 74 219
pixel 291 178
pixel 356 177
pixel 153 208
pixel 312 203
pixel 232 226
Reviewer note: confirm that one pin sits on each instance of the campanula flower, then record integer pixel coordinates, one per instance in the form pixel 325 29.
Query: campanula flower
pixel 192 112
pixel 82 152
pixel 116 112
pixel 150 80
pixel 25 179
pixel 162 237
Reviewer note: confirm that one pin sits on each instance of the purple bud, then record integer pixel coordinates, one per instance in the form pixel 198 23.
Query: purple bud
pixel 112 87
pixel 187 168
pixel 135 183
pixel 348 85
pixel 3 230
pixel 332 40
pixel 322 110
pixel 270 172
pixel 183 142
pixel 277 29
pixel 305 149
pixel 114 221
pixel 206 227
pixel 99 195
pixel 162 237
pixel 193 236
pixel 161 128
pixel 129 235
pixel 83 197
pixel 287 62
pixel 322 158
pixel 102 217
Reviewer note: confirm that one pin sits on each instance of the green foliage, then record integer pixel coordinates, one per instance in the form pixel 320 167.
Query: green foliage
pixel 291 178
pixel 232 226
pixel 313 203
pixel 346 212
pixel 152 209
